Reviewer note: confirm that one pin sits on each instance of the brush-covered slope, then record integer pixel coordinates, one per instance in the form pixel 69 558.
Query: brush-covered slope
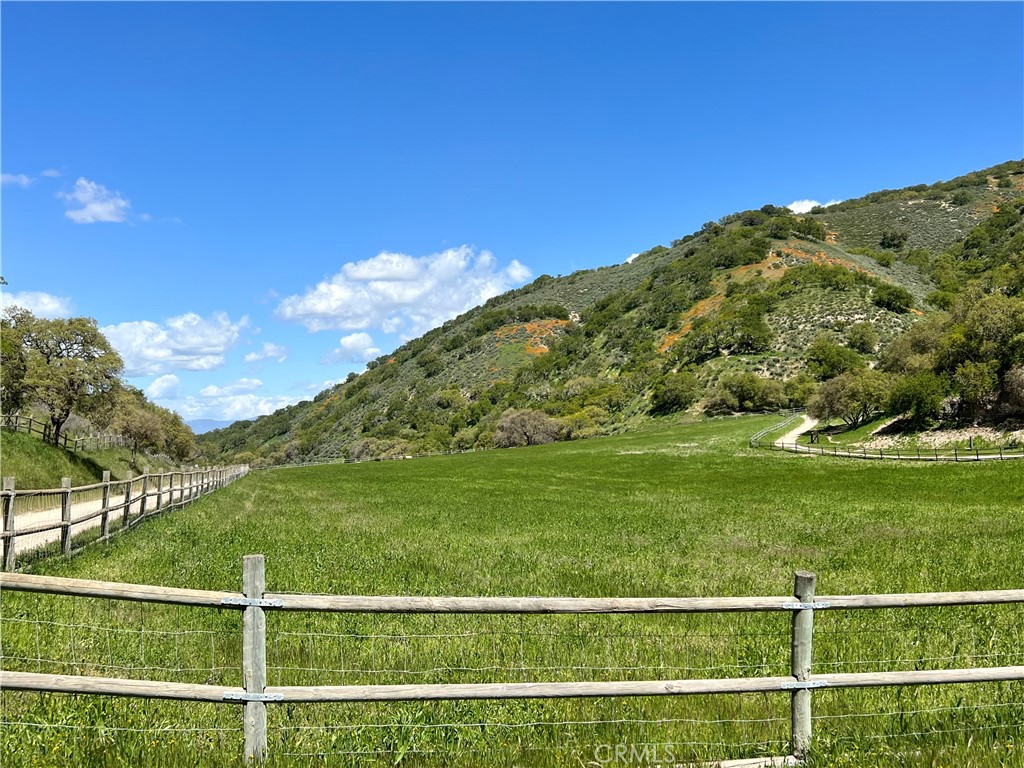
pixel 598 350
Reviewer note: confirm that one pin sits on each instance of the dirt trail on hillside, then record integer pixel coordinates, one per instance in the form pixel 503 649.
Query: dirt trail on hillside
pixel 790 437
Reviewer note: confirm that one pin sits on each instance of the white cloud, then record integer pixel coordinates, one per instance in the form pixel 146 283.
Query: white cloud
pixel 39 304
pixel 397 292
pixel 270 351
pixel 92 202
pixel 803 206
pixel 238 387
pixel 233 407
pixel 354 348
pixel 187 342
pixel 50 173
pixel 164 387
pixel 18 179
pixel 631 258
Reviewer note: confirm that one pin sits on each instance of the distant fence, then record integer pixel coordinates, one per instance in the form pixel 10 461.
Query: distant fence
pixel 44 430
pixel 905 454
pixel 70 515
pixel 916 453
pixel 255 603
pixel 795 415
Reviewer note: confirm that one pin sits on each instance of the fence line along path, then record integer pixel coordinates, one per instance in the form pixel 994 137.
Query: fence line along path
pixel 32 426
pixel 788 442
pixel 38 518
pixel 255 695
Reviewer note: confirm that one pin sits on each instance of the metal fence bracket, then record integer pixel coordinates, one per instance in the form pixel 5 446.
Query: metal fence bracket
pixel 242 696
pixel 250 602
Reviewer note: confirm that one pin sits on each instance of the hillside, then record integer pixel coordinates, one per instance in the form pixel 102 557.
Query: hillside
pixel 37 464
pixel 597 351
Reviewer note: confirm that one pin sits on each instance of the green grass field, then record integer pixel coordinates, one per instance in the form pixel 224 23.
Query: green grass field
pixel 679 509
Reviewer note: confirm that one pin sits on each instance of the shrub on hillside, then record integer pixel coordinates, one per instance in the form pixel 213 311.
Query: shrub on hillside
pixel 892 297
pixel 745 392
pixel 525 427
pixel 893 240
pixel 800 389
pixel 826 358
pixel 675 392
pixel 862 337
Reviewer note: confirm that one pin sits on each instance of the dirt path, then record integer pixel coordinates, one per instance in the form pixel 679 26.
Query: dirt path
pixel 83 508
pixel 790 437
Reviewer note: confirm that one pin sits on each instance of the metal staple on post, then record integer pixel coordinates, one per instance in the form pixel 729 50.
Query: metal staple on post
pixel 254 658
pixel 65 515
pixel 803 631
pixel 9 523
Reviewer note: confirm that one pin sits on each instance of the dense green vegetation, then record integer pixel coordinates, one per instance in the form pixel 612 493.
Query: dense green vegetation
pixel 676 509
pixel 64 369
pixel 752 312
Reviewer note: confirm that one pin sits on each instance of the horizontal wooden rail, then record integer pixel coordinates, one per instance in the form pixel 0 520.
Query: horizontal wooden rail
pixel 450 692
pixel 113 686
pixel 112 590
pixel 919 599
pixel 32 681
pixel 539 605
pixel 404 604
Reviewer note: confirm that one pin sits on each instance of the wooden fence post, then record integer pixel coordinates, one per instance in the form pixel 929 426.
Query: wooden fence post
pixel 9 523
pixel 254 657
pixel 105 508
pixel 127 499
pixel 65 515
pixel 803 631
pixel 145 492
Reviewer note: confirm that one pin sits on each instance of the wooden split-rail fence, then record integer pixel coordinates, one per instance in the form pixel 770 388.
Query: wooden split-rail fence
pixel 37 518
pixel 44 430
pixel 255 695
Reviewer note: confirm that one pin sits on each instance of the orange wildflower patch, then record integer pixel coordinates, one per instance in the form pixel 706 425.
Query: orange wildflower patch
pixel 820 257
pixel 703 307
pixel 535 332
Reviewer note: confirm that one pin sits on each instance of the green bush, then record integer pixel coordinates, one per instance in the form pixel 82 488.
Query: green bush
pixel 893 298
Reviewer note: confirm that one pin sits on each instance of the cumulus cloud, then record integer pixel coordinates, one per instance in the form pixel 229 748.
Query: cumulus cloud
pixel 236 388
pixel 164 387
pixel 17 179
pixel 50 173
pixel 270 351
pixel 90 203
pixel 39 304
pixel 631 258
pixel 187 342
pixel 354 348
pixel 396 292
pixel 803 206
pixel 233 407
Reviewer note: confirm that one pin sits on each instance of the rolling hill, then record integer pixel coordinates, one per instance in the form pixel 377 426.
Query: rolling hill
pixel 597 351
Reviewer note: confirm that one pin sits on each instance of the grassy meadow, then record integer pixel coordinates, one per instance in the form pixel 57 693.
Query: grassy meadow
pixel 680 509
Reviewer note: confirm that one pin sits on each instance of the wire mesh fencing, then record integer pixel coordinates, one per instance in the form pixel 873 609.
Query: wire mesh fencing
pixel 327 672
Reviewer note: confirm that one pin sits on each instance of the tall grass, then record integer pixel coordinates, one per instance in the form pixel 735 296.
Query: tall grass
pixel 675 510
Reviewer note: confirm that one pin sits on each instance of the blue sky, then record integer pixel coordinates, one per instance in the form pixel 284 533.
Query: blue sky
pixel 254 199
